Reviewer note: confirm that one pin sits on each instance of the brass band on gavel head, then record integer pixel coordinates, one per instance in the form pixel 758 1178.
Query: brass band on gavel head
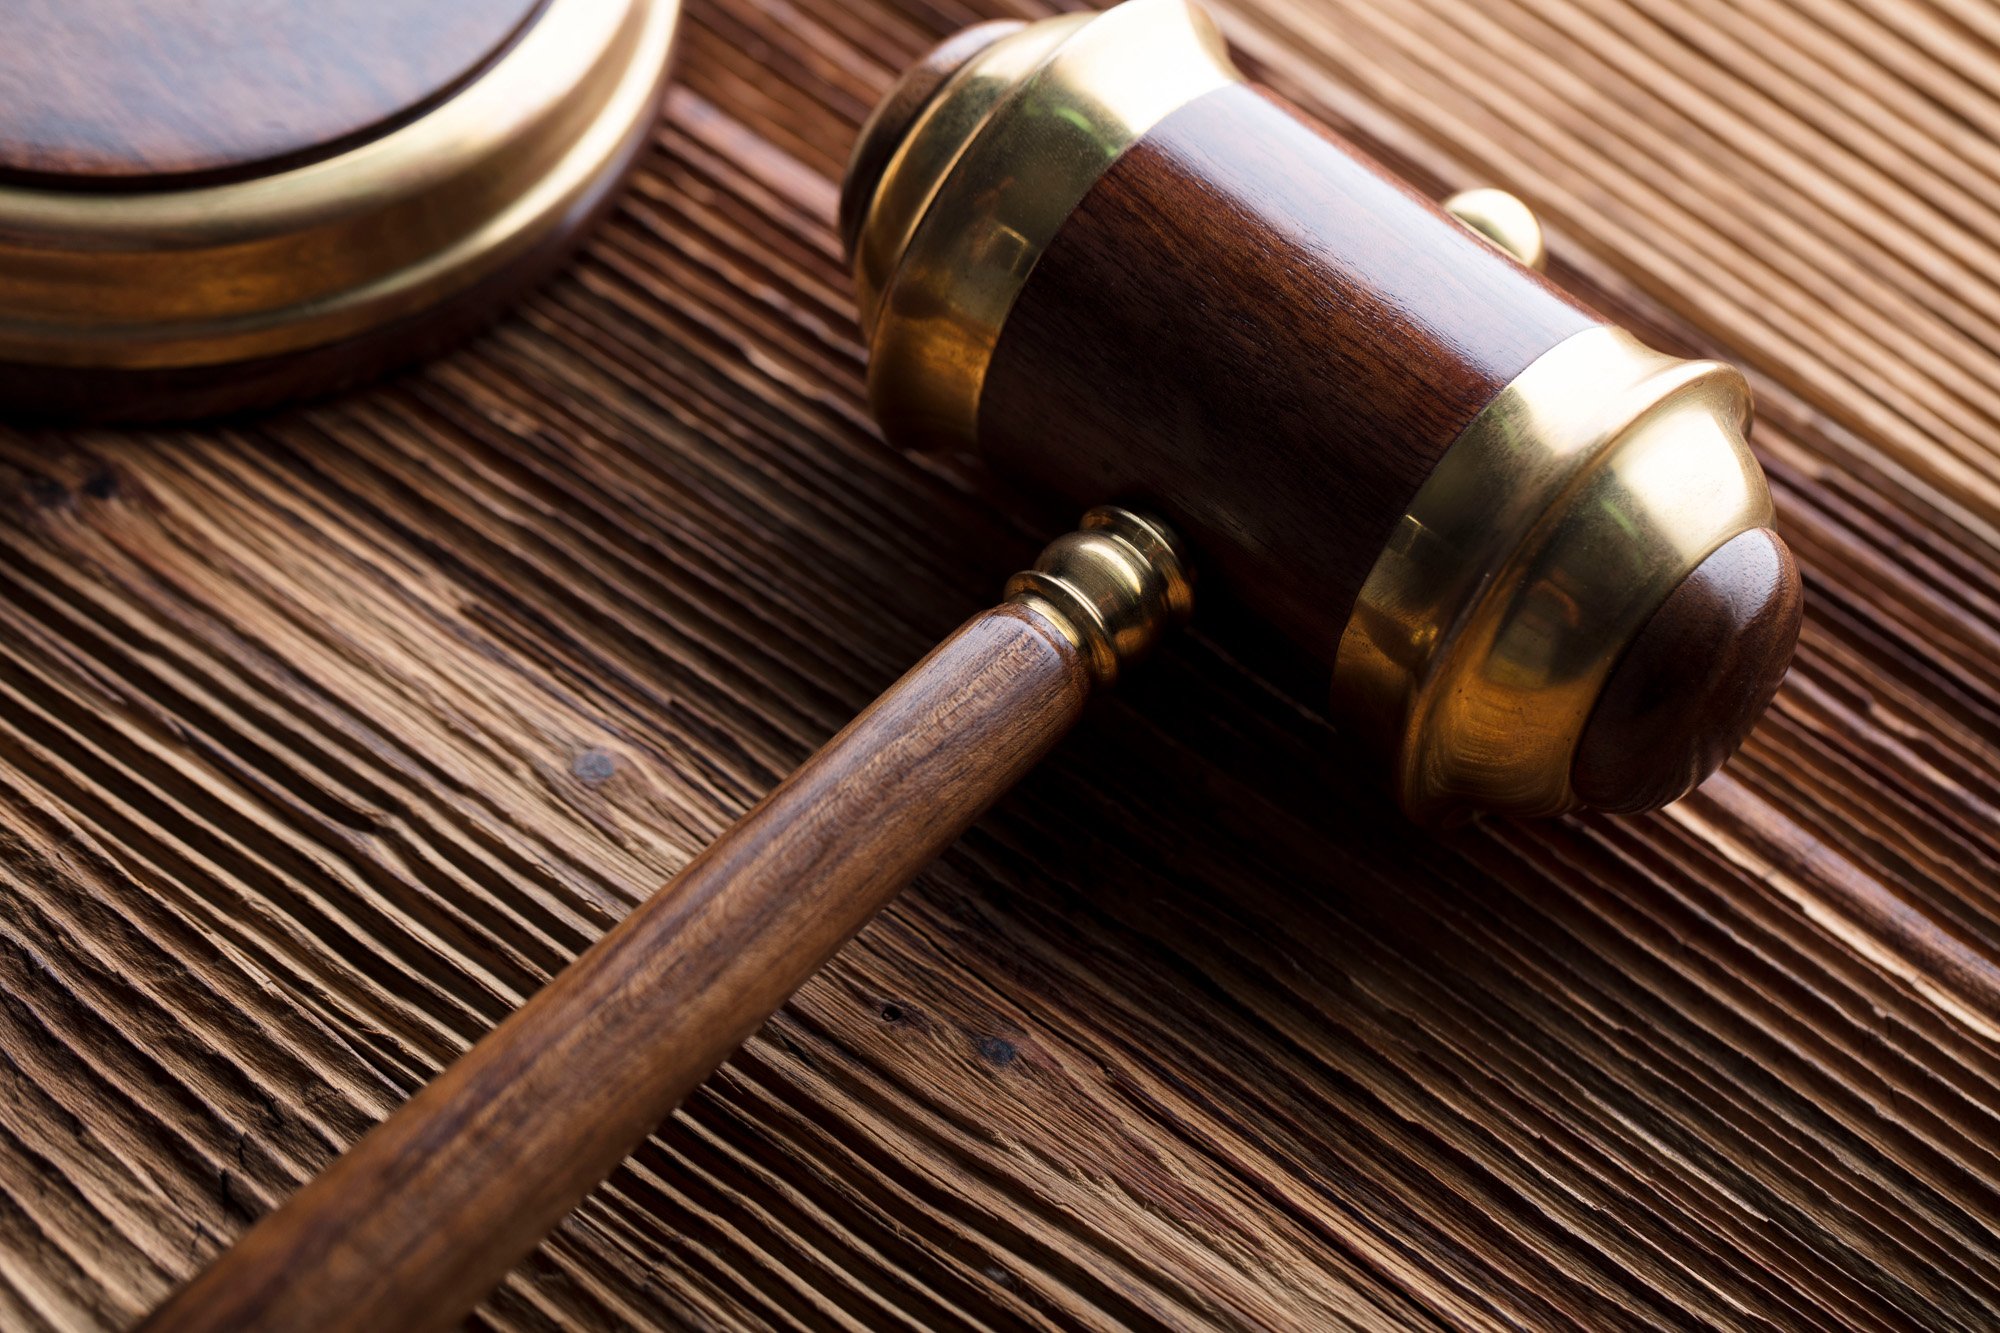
pixel 1536 553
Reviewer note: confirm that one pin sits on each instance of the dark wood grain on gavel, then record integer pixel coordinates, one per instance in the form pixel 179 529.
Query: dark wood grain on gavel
pixel 425 1214
pixel 1249 322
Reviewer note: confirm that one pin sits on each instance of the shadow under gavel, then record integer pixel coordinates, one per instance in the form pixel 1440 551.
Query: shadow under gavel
pixel 1536 555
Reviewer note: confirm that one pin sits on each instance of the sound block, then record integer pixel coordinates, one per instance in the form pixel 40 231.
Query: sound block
pixel 206 207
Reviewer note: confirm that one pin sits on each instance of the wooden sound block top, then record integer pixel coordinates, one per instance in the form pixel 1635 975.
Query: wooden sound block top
pixel 124 92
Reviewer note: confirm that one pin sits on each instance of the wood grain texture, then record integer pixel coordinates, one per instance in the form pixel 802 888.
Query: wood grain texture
pixel 1249 325
pixel 325 738
pixel 422 1218
pixel 108 92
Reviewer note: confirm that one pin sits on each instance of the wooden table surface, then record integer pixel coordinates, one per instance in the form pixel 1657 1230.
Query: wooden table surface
pixel 326 737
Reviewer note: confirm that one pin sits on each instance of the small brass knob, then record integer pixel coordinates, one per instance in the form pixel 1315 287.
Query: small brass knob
pixel 1504 220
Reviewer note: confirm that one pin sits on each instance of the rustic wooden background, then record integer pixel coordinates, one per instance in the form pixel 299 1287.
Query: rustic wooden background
pixel 325 737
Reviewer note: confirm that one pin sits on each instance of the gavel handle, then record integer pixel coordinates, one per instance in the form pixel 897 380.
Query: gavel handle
pixel 425 1215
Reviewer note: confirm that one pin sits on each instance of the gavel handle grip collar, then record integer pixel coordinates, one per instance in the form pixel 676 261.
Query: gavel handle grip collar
pixel 425 1214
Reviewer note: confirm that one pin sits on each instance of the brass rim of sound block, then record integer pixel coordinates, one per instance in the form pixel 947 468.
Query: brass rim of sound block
pixel 1547 535
pixel 340 247
pixel 983 179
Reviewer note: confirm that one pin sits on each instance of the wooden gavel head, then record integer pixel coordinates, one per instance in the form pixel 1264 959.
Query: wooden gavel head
pixel 1537 554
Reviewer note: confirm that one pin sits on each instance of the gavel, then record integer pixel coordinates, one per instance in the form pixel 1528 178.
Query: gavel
pixel 1536 556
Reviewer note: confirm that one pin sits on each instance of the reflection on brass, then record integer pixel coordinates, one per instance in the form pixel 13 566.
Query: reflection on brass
pixel 1548 533
pixel 985 176
pixel 1113 588
pixel 1504 220
pixel 335 248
